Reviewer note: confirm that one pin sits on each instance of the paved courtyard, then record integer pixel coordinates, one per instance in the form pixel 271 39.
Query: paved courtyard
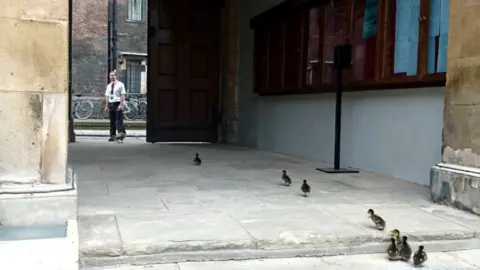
pixel 146 203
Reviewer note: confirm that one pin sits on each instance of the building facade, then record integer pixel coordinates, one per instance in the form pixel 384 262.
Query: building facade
pixel 400 128
pixel 394 101
pixel 90 46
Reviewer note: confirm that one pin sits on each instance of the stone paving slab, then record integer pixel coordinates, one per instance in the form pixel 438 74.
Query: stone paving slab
pixel 300 228
pixel 418 225
pixel 154 234
pixel 235 206
pixel 131 201
pixel 99 236
pixel 268 229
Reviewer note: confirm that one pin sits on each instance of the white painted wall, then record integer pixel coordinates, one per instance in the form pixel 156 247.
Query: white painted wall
pixel 393 132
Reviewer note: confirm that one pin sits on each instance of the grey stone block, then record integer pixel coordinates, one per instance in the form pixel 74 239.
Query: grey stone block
pixel 39 204
pixel 456 186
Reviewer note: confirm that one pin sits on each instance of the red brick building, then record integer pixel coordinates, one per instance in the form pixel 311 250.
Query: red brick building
pixel 90 48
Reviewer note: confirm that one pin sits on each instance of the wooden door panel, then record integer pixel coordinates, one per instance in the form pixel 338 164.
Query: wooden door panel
pixel 199 107
pixel 183 71
pixel 167 100
pixel 167 59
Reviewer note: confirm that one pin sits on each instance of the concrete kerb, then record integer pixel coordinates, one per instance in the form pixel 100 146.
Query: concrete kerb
pixel 432 243
pixel 250 254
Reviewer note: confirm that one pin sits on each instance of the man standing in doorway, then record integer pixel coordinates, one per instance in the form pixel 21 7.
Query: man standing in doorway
pixel 114 104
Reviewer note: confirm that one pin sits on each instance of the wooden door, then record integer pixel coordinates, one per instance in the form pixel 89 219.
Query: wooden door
pixel 183 53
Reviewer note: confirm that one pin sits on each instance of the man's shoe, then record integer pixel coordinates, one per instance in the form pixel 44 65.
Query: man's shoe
pixel 121 135
pixel 111 139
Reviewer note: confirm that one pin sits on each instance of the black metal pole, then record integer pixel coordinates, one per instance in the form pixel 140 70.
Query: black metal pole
pixel 109 41
pixel 342 59
pixel 338 118
pixel 114 34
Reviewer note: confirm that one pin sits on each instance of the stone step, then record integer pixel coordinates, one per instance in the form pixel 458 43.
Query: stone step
pixel 40 247
pixel 241 249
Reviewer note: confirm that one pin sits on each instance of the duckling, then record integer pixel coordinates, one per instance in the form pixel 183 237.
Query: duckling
pixel 305 188
pixel 420 257
pixel 392 250
pixel 379 222
pixel 197 161
pixel 396 234
pixel 286 178
pixel 405 250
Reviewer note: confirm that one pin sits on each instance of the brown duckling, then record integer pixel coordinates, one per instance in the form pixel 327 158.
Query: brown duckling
pixel 377 220
pixel 420 256
pixel 405 250
pixel 396 234
pixel 392 250
pixel 305 188
pixel 197 161
pixel 286 178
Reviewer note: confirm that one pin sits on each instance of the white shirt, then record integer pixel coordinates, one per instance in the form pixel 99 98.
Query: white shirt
pixel 118 90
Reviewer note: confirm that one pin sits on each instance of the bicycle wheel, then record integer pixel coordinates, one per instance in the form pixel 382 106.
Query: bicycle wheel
pixel 130 112
pixel 142 109
pixel 84 109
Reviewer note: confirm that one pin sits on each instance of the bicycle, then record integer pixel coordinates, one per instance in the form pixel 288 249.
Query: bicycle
pixel 130 112
pixel 142 108
pixel 133 108
pixel 82 107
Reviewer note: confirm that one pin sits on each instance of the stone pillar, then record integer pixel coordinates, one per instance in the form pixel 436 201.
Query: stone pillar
pixel 456 181
pixel 231 71
pixel 33 109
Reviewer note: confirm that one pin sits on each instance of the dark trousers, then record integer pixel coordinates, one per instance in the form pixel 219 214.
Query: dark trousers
pixel 116 118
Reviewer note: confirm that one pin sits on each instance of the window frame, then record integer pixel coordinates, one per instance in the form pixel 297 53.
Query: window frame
pixel 128 72
pixel 142 14
pixel 383 68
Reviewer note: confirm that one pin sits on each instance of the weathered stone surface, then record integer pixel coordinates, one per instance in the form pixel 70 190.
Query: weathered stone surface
pixel 461 127
pixel 154 233
pixel 54 137
pixel 411 221
pixel 39 65
pixel 457 186
pixel 465 18
pixel 99 236
pixel 436 260
pixel 467 220
pixel 234 206
pixel 38 209
pixel 34 146
pixel 470 256
pixel 11 9
pixel 291 228
pixel 20 140
pixel 132 202
pixel 53 10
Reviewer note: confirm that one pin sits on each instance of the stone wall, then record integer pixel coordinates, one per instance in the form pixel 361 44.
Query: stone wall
pixel 456 181
pixel 33 92
pixel 89 43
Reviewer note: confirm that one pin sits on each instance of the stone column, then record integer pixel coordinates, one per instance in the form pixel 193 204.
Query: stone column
pixel 456 180
pixel 33 107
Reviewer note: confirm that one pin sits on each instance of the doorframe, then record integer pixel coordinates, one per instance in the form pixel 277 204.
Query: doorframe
pixel 221 61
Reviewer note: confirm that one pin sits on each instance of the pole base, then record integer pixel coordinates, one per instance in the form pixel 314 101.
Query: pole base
pixel 339 170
